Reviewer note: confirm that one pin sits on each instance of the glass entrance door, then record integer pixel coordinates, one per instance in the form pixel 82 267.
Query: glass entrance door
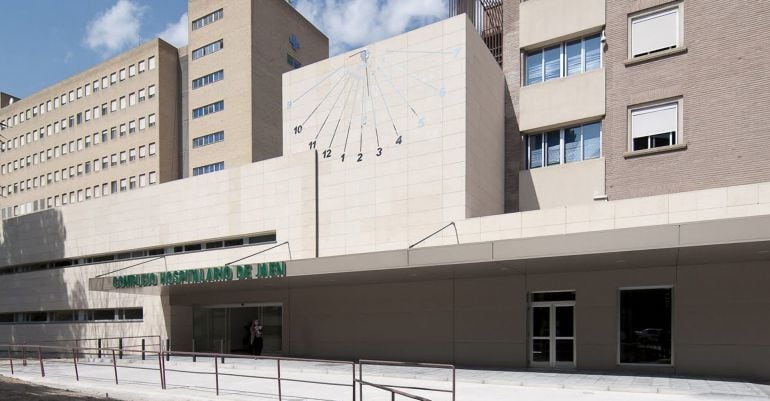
pixel 226 327
pixel 552 334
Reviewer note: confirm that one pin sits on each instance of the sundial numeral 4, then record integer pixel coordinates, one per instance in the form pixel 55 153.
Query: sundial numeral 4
pixel 398 140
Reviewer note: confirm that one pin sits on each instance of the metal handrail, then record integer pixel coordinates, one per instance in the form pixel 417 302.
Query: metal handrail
pixel 363 362
pixel 393 391
pixel 263 251
pixel 457 236
pixel 113 352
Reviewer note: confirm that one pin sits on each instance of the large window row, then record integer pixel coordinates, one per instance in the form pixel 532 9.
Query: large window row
pixel 208 49
pixel 74 120
pixel 564 59
pixel 208 19
pixel 74 316
pixel 215 243
pixel 208 79
pixel 567 145
pixel 81 169
pixel 208 139
pixel 82 195
pixel 209 109
pixel 80 92
pixel 209 168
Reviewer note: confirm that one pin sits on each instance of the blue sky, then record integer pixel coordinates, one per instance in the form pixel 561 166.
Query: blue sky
pixel 62 38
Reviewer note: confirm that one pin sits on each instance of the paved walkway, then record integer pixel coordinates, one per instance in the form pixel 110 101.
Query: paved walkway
pixel 254 380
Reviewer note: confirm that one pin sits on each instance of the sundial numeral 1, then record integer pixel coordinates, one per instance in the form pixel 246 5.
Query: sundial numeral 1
pixel 360 157
pixel 327 153
pixel 398 140
pixel 379 152
pixel 298 129
pixel 342 157
pixel 312 145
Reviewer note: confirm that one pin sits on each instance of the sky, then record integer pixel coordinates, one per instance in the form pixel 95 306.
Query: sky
pixel 45 41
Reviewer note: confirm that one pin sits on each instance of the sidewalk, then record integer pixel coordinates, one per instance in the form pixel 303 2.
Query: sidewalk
pixel 140 380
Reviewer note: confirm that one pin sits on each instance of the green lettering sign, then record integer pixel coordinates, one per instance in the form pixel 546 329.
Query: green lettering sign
pixel 205 275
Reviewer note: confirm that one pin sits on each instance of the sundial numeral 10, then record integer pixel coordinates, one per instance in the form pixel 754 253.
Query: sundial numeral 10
pixel 298 129
pixel 312 145
pixel 327 153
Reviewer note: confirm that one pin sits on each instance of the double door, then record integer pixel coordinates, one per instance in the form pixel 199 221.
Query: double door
pixel 552 334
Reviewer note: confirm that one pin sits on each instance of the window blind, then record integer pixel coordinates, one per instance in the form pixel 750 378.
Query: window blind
pixel 654 120
pixel 655 32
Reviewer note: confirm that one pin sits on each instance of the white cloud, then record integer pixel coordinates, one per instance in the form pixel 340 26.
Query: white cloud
pixel 354 23
pixel 116 28
pixel 176 32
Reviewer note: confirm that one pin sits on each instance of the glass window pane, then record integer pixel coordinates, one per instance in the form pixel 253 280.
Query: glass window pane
pixel 565 324
pixel 565 351
pixel 553 296
pixel 645 326
pixel 554 147
pixel 592 141
pixel 541 321
pixel 552 59
pixel 572 145
pixel 661 140
pixel 541 351
pixel 641 143
pixel 534 67
pixel 574 57
pixel 536 151
pixel 593 47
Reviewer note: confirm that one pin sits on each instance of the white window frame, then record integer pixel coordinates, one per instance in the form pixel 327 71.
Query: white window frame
pixel 678 138
pixel 651 11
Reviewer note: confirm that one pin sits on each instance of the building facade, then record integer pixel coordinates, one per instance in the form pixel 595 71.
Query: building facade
pixel 481 212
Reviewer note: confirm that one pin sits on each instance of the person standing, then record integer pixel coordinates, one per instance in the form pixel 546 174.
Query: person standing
pixel 256 337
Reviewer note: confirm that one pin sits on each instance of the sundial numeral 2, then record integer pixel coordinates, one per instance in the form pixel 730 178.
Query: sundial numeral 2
pixel 360 157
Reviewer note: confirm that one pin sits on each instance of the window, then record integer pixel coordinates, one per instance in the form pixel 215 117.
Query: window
pixel 645 326
pixel 131 127
pixel 95 84
pixel 123 185
pixel 142 180
pixel 142 123
pixel 208 139
pixel 122 102
pixel 569 58
pixel 122 74
pixel 151 91
pixel 655 31
pixel 142 66
pixel 123 157
pixel 142 151
pixel 151 120
pixel 151 62
pixel 209 109
pixel 114 160
pixel 153 177
pixel 207 19
pixel 87 115
pixel 572 144
pixel 208 79
pixel 208 49
pixel 131 154
pixel 142 93
pixel 654 126
pixel 293 62
pixel 132 182
pixel 131 99
pixel 131 70
pixel 79 92
pixel 152 148
pixel 105 83
pixel 113 78
pixel 114 105
pixel 209 168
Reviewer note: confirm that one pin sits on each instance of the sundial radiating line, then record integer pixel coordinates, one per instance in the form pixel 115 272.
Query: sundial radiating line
pixel 342 112
pixel 420 52
pixel 318 83
pixel 410 76
pixel 334 105
pixel 323 100
pixel 385 102
pixel 374 111
pixel 350 121
pixel 397 91
pixel 363 110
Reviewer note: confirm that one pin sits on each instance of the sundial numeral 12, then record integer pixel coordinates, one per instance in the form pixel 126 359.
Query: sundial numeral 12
pixel 327 153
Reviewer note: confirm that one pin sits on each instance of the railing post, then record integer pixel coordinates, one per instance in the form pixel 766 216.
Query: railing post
pixel 160 370
pixel 40 357
pixel 143 349
pixel 216 374
pixel 115 366
pixel 353 368
pixel 361 380
pixel 23 355
pixel 99 349
pixel 453 382
pixel 222 349
pixel 168 349
pixel 280 397
pixel 120 347
pixel 195 358
pixel 75 362
pixel 10 358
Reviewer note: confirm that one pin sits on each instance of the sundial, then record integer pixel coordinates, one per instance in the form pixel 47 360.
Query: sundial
pixel 353 119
